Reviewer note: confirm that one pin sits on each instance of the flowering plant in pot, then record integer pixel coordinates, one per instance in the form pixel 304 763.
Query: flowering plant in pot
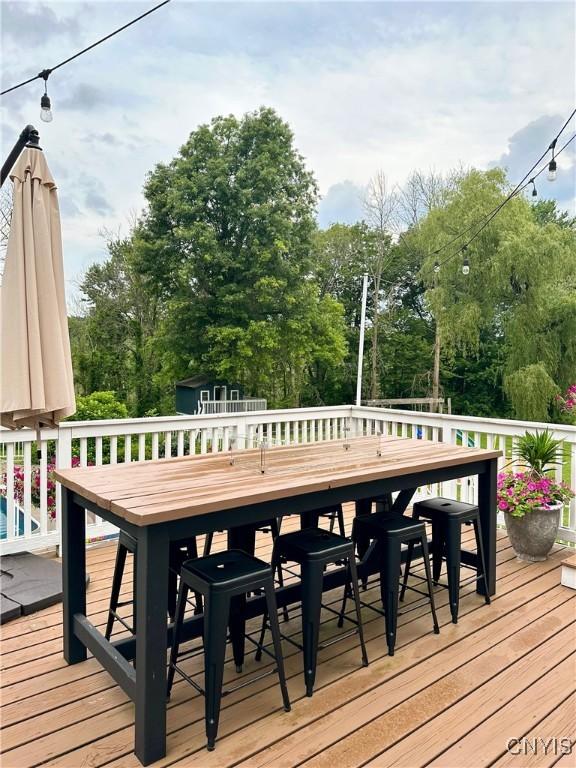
pixel 531 500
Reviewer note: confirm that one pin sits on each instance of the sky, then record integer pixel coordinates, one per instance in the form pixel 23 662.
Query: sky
pixel 391 86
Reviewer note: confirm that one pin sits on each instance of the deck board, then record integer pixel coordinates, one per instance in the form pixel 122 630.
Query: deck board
pixel 505 670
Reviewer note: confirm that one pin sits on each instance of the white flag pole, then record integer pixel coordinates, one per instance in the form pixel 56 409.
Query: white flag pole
pixel 361 342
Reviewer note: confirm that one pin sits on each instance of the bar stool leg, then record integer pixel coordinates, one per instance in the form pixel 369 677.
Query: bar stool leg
pixel 275 630
pixel 429 582
pixel 312 574
pixel 275 529
pixel 192 552
pixel 407 565
pixel 480 554
pixel 179 618
pixel 116 586
pixel 438 540
pixel 208 543
pixel 453 555
pixel 341 526
pixel 237 625
pixel 356 593
pixel 216 612
pixel 389 584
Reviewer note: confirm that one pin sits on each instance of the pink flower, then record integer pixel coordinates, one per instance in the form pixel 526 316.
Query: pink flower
pixel 502 505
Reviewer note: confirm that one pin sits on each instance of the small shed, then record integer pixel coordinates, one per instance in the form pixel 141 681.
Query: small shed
pixel 192 392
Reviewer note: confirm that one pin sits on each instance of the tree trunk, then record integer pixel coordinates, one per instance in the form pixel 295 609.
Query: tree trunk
pixel 436 372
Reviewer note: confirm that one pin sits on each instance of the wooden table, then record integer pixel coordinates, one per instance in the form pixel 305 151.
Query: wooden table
pixel 157 502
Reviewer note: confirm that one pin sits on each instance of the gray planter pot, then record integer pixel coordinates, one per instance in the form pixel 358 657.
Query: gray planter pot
pixel 533 535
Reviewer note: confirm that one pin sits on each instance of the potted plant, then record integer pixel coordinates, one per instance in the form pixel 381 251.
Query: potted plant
pixel 531 500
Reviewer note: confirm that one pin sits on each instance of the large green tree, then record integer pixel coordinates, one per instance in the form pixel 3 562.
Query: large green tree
pixel 227 241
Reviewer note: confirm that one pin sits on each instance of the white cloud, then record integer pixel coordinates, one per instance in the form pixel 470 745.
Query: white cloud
pixel 365 86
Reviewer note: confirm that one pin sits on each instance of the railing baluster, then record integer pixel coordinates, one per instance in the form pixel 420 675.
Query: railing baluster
pixel 44 489
pixel 98 451
pixel 167 445
pixel 27 490
pixel 113 449
pixel 142 447
pixel 83 451
pixel 127 449
pixel 155 445
pixel 180 443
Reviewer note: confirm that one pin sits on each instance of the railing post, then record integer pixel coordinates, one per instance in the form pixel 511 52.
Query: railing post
pixel 63 461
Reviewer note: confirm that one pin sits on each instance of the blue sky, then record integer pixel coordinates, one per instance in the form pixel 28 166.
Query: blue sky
pixel 390 86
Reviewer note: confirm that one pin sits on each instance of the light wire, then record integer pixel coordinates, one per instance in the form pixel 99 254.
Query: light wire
pixel 47 72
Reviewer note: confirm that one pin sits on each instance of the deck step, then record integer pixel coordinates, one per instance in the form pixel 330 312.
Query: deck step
pixel 568 577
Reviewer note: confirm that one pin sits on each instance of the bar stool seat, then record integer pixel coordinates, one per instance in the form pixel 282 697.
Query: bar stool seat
pixel 225 570
pixel 313 549
pixel 224 579
pixel 391 531
pixel 447 517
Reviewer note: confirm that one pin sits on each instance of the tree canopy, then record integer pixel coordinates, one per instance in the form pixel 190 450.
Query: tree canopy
pixel 226 273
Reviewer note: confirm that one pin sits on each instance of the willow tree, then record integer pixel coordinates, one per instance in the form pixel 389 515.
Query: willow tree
pixel 520 288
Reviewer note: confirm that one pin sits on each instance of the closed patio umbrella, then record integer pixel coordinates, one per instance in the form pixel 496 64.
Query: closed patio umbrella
pixel 36 382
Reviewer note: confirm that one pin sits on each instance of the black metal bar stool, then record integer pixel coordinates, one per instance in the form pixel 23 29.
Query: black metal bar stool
pixel 224 579
pixel 447 517
pixel 390 532
pixel 179 552
pixel 313 549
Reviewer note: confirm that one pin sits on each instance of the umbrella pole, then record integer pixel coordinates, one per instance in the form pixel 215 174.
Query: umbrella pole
pixel 38 443
pixel 28 138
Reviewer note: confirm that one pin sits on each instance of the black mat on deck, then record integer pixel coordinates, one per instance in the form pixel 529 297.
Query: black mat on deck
pixel 30 583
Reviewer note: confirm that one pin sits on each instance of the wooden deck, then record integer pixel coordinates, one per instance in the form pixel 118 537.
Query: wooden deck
pixel 505 671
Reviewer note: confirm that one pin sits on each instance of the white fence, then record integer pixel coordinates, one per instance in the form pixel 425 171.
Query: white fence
pixel 31 505
pixel 250 404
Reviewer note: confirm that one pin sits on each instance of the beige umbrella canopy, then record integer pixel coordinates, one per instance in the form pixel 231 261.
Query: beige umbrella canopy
pixel 36 382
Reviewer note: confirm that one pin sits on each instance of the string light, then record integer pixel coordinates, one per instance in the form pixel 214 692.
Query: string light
pixel 436 266
pixel 45 104
pixel 534 191
pixel 465 263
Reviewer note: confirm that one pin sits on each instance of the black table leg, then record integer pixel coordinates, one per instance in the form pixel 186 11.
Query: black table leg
pixel 487 488
pixel 73 574
pixel 151 642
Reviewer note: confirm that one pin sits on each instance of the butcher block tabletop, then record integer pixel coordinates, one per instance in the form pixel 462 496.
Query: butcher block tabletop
pixel 149 492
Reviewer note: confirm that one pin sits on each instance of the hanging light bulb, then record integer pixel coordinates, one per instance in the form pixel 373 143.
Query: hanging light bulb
pixel 45 111
pixel 436 267
pixel 552 163
pixel 465 263
pixel 45 104
pixel 534 192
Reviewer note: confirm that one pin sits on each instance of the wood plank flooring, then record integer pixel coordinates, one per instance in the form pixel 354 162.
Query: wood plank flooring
pixel 453 700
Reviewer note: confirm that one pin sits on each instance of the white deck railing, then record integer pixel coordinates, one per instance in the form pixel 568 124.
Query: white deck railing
pixel 31 509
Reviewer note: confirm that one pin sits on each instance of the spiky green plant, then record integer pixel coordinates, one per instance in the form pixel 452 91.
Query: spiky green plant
pixel 539 452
